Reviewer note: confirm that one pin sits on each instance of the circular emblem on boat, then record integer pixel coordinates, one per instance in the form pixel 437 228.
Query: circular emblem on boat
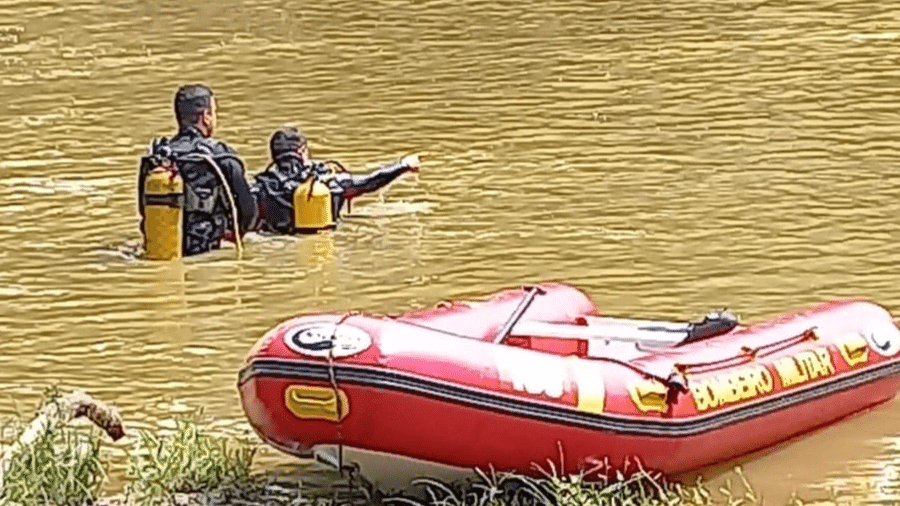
pixel 324 339
pixel 884 338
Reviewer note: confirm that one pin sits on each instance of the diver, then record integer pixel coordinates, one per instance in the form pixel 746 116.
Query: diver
pixel 192 191
pixel 299 194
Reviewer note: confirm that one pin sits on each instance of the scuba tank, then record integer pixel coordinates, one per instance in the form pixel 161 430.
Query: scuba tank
pixel 163 203
pixel 171 201
pixel 297 199
pixel 313 209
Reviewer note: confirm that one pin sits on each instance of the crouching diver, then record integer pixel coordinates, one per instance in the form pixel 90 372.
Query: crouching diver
pixel 298 194
pixel 192 191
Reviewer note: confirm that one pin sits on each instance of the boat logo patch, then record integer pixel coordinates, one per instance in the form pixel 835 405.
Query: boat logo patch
pixel 532 373
pixel 324 339
pixel 884 338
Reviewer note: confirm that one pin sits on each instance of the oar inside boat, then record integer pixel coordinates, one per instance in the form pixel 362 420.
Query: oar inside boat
pixel 520 310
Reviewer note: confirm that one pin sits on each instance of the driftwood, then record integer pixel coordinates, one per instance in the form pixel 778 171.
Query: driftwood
pixel 58 412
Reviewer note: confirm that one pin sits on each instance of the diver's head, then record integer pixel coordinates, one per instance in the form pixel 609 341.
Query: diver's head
pixel 195 106
pixel 288 141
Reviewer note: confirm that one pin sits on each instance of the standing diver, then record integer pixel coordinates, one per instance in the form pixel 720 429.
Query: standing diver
pixel 192 191
pixel 298 194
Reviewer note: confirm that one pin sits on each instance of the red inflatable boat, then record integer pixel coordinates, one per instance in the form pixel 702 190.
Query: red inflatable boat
pixel 536 375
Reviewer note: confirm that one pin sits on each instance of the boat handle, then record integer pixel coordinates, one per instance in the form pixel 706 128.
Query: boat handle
pixel 749 354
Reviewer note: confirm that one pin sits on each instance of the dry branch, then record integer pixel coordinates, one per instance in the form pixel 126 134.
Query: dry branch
pixel 61 411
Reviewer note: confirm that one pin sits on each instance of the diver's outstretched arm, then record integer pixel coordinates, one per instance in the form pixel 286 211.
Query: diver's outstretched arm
pixel 356 185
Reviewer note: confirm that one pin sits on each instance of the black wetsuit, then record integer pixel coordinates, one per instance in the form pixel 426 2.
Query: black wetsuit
pixel 204 230
pixel 275 187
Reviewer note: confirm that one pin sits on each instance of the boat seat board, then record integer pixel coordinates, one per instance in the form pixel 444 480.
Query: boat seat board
pixel 660 325
pixel 662 335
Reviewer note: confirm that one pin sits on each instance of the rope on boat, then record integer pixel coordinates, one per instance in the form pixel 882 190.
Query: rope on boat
pixel 331 375
pixel 677 380
pixel 332 378
pixel 337 401
pixel 647 374
pixel 749 354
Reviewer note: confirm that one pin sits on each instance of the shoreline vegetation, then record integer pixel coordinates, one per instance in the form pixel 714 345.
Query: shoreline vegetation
pixel 48 462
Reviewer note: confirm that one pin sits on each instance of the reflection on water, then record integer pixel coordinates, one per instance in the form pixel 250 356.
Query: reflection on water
pixel 669 158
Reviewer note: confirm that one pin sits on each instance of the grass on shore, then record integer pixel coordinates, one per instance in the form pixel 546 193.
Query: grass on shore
pixel 188 462
pixel 64 468
pixel 639 489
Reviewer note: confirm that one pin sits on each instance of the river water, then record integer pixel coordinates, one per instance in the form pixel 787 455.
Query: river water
pixel 668 157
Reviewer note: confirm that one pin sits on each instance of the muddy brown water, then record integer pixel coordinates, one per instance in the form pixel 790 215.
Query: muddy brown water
pixel 668 157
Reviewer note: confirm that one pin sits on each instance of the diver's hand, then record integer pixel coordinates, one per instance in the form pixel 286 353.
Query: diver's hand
pixel 412 162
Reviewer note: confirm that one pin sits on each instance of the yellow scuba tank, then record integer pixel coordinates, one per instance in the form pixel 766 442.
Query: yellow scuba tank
pixel 163 214
pixel 312 206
